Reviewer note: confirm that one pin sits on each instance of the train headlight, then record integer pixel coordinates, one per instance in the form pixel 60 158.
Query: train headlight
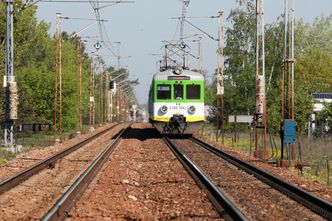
pixel 163 109
pixel 177 70
pixel 191 109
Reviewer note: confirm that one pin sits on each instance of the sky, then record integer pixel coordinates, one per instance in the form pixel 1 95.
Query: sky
pixel 143 25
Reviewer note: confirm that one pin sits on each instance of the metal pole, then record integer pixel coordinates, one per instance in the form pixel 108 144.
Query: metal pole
pixel 92 94
pixel 292 66
pixel 288 106
pixel 79 124
pixel 56 76
pixel 60 77
pixel 80 88
pixel 10 88
pixel 119 57
pixel 283 83
pixel 200 57
pixel 99 99
pixel 78 83
pixel 260 115
pixel 221 14
pixel 108 96
pixel 185 4
pixel 219 80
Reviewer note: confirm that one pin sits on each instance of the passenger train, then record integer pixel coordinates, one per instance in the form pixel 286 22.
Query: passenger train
pixel 176 100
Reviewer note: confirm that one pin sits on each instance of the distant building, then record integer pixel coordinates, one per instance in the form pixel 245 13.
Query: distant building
pixel 318 100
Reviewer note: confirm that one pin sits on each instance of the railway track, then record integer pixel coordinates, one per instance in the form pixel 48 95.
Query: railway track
pixel 49 162
pixel 225 179
pixel 314 203
pixel 38 189
pixel 61 208
pixel 303 198
pixel 222 203
pixel 143 180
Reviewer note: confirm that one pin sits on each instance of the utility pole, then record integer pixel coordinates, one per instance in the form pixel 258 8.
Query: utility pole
pixel 119 56
pixel 79 125
pixel 108 97
pixel 185 4
pixel 92 98
pixel 221 33
pixel 288 123
pixel 111 107
pixel 118 105
pixel 101 98
pixel 220 80
pixel 78 83
pixel 200 56
pixel 260 115
pixel 60 77
pixel 58 15
pixel 10 87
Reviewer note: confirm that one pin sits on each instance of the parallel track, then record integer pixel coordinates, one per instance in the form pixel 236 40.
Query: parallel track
pixel 224 206
pixel 314 203
pixel 61 208
pixel 18 178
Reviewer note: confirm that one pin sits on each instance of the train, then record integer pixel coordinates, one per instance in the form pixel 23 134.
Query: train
pixel 176 100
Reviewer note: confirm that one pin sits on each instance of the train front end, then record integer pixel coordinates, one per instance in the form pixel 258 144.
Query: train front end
pixel 176 101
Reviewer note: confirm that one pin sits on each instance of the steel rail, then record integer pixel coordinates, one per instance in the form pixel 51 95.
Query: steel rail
pixel 61 208
pixel 314 203
pixel 18 178
pixel 224 205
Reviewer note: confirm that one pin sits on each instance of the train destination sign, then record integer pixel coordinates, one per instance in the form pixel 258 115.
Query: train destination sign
pixel 178 78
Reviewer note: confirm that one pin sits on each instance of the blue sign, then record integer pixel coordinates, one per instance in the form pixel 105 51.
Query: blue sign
pixel 289 131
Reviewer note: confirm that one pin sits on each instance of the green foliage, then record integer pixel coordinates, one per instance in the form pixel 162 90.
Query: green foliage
pixel 314 36
pixel 312 67
pixel 34 52
pixel 240 57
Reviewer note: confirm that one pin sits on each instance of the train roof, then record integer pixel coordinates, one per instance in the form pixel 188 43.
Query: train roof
pixel 163 75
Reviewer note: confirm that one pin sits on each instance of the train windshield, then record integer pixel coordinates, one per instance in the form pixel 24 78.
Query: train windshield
pixel 163 91
pixel 193 91
pixel 178 91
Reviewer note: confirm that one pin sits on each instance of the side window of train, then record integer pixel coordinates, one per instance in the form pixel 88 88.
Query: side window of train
pixel 163 91
pixel 193 91
pixel 178 91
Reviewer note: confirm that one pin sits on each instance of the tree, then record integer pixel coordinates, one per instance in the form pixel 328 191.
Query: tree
pixel 240 60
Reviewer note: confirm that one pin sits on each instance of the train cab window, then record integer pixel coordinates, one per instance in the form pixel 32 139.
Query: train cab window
pixel 193 91
pixel 178 91
pixel 163 91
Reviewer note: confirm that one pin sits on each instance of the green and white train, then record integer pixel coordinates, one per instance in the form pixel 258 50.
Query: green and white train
pixel 176 100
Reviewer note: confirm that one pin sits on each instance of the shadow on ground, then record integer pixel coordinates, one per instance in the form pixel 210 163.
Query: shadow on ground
pixel 142 134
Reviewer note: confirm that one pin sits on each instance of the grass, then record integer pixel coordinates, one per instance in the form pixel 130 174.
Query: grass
pixel 34 140
pixel 5 156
